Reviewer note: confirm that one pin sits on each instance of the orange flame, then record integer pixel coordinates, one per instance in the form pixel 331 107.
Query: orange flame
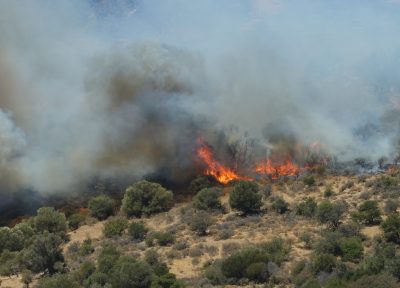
pixel 220 172
pixel 276 170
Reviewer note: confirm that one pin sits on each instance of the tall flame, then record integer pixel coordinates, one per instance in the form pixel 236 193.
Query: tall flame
pixel 220 172
pixel 276 170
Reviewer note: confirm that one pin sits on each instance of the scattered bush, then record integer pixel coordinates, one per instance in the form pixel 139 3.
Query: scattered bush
pixel 391 228
pixel 323 263
pixel 115 227
pixel 58 281
pixel 137 231
pixel 351 249
pixel 391 206
pixel 375 281
pixel 162 239
pixel 207 199
pixel 280 205
pixel 75 220
pixel 200 222
pixel 309 180
pixel 330 213
pixel 328 192
pixel 368 213
pixel 146 198
pixel 129 272
pixel 307 208
pixel 48 219
pixel 245 198
pixel 101 207
pixel 199 183
pixel 86 247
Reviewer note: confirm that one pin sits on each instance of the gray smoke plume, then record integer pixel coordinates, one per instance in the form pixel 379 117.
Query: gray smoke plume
pixel 118 88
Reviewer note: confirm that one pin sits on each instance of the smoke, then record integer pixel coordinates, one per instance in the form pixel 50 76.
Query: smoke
pixel 120 88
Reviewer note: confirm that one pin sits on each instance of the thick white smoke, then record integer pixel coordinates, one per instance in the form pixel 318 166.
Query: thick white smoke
pixel 121 87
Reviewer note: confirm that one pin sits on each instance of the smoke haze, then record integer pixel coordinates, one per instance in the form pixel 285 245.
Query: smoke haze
pixel 118 88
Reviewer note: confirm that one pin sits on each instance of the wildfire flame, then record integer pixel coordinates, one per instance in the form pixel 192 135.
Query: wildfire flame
pixel 220 172
pixel 276 170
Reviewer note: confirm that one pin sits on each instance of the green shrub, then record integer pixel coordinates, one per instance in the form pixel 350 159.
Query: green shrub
pixel 328 192
pixel 199 183
pixel 43 253
pixel 245 198
pixel 101 207
pixel 375 281
pixel 146 198
pixel 58 281
pixel 200 222
pixel 280 205
pixel 235 266
pixel 75 220
pixel 215 275
pixel 107 258
pixel 351 249
pixel 129 272
pixel 323 263
pixel 309 180
pixel 276 249
pixel 391 228
pixel 368 213
pixel 311 283
pixel 115 227
pixel 330 213
pixel 257 272
pixel 137 231
pixel 48 219
pixel 86 247
pixel 86 269
pixel 391 206
pixel 9 263
pixel 207 199
pixel 307 208
pixel 162 238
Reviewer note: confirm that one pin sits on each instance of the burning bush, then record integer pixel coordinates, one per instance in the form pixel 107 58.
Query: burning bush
pixel 146 198
pixel 245 198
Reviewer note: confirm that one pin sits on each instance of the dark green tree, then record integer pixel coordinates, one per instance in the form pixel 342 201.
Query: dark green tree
pixel 245 198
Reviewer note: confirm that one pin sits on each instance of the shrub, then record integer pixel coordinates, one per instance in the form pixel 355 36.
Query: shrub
pixel 235 266
pixel 86 247
pixel 391 206
pixel 280 205
pixel 330 213
pixel 244 197
pixel 200 222
pixel 27 277
pixel 43 253
pixel 162 238
pixel 328 192
pixel 207 199
pixel 375 281
pixel 351 249
pixel 128 272
pixel 308 180
pixel 9 263
pixel 215 275
pixel 199 183
pixel 48 219
pixel 86 269
pixel 257 272
pixel 276 249
pixel 146 198
pixel 307 208
pixel 391 228
pixel 115 227
pixel 107 258
pixel 323 263
pixel 58 281
pixel 75 220
pixel 137 231
pixel 101 207
pixel 368 213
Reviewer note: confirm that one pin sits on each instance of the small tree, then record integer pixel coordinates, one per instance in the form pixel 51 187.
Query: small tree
pixel 115 227
pixel 146 198
pixel 101 207
pixel 245 198
pixel 368 213
pixel 323 263
pixel 351 249
pixel 44 253
pixel 307 208
pixel 129 272
pixel 48 219
pixel 137 231
pixel 27 277
pixel 280 205
pixel 330 213
pixel 207 199
pixel 391 228
pixel 200 222
pixel 75 220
